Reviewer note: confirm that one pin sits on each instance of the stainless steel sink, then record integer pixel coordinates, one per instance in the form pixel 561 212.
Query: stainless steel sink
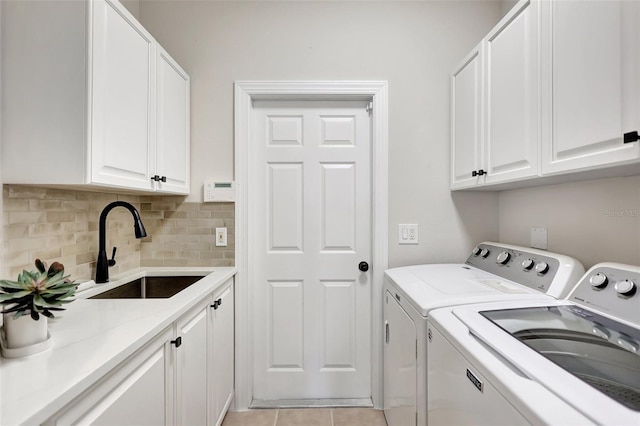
pixel 149 288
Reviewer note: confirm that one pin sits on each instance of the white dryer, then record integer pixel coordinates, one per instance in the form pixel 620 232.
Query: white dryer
pixel 568 362
pixel 492 272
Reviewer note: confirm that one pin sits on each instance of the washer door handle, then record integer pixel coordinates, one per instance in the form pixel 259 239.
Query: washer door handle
pixel 363 266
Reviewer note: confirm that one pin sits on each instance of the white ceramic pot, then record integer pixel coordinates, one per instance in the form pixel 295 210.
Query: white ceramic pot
pixel 24 331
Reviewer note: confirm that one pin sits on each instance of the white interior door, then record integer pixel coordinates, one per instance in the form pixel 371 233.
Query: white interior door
pixel 309 228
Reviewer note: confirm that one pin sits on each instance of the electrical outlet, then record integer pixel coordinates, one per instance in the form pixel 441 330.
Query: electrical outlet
pixel 539 238
pixel 221 237
pixel 408 233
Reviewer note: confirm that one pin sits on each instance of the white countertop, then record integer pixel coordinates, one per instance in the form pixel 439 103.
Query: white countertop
pixel 90 338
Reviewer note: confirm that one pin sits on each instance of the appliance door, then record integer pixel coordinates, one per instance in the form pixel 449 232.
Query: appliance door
pixel 400 365
pixel 458 393
pixel 590 361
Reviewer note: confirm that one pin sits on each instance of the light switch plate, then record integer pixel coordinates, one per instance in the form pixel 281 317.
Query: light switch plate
pixel 221 237
pixel 539 238
pixel 408 233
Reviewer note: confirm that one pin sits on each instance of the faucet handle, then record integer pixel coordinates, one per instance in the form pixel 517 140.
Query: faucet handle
pixel 112 261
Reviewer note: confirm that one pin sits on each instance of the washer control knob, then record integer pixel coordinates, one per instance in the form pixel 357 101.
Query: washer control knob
pixel 625 287
pixel 542 268
pixel 476 251
pixel 484 253
pixel 527 264
pixel 503 258
pixel 599 280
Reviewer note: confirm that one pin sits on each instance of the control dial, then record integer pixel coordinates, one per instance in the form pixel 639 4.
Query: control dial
pixel 625 287
pixel 599 280
pixel 485 253
pixel 527 264
pixel 542 268
pixel 503 258
pixel 476 251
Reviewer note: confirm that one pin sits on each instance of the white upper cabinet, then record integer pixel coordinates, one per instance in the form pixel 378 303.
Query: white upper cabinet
pixel 172 139
pixel 511 129
pixel 92 100
pixel 590 78
pixel 122 82
pixel 495 105
pixel 466 120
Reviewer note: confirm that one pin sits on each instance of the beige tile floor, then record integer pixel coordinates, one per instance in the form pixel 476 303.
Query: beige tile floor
pixel 307 417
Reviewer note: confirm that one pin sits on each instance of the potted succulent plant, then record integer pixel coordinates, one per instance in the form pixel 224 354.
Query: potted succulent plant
pixel 30 300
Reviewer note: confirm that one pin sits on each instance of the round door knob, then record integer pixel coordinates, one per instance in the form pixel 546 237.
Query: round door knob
pixel 599 280
pixel 542 268
pixel 503 258
pixel 363 266
pixel 625 288
pixel 484 253
pixel 527 264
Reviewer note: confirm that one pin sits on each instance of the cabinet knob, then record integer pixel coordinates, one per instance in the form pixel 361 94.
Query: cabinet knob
pixel 177 342
pixel 478 173
pixel 216 304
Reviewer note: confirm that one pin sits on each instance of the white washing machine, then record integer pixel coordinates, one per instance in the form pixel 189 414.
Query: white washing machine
pixel 492 272
pixel 567 362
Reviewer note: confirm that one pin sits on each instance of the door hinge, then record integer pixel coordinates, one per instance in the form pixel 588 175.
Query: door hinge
pixel 631 137
pixel 370 107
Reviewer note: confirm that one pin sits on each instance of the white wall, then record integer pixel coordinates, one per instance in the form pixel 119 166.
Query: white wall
pixel 593 221
pixel 413 45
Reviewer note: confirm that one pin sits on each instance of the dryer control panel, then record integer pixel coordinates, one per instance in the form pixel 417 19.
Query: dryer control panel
pixel 547 272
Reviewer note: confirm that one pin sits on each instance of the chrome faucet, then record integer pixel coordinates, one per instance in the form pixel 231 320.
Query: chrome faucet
pixel 102 268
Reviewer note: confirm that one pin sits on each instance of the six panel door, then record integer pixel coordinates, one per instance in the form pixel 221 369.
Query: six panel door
pixel 310 227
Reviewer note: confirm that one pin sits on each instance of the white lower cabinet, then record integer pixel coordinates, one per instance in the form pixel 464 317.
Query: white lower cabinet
pixel 222 352
pixel 184 376
pixel 139 392
pixel 191 367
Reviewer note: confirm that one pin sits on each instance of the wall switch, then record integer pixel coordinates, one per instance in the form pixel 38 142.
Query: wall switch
pixel 221 237
pixel 539 238
pixel 408 233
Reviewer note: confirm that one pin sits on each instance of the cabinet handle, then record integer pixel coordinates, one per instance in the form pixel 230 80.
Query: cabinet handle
pixel 481 172
pixel 631 137
pixel 177 342
pixel 155 178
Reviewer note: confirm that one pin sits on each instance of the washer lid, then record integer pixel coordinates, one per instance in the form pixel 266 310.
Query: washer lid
pixel 598 350
pixel 428 287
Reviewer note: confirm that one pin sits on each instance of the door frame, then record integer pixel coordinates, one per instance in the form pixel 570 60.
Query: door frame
pixel 245 92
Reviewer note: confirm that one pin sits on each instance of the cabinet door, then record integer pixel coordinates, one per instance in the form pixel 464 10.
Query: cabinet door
pixel 172 144
pixel 122 86
pixel 590 49
pixel 134 394
pixel 222 380
pixel 511 131
pixel 191 367
pixel 466 121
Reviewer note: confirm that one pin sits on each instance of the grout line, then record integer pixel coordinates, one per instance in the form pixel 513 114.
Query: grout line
pixel 275 421
pixel 331 411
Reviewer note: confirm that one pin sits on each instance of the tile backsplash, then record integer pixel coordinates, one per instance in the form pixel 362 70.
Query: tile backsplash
pixel 62 225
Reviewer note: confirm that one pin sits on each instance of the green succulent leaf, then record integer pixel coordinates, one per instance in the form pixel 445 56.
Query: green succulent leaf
pixel 13 296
